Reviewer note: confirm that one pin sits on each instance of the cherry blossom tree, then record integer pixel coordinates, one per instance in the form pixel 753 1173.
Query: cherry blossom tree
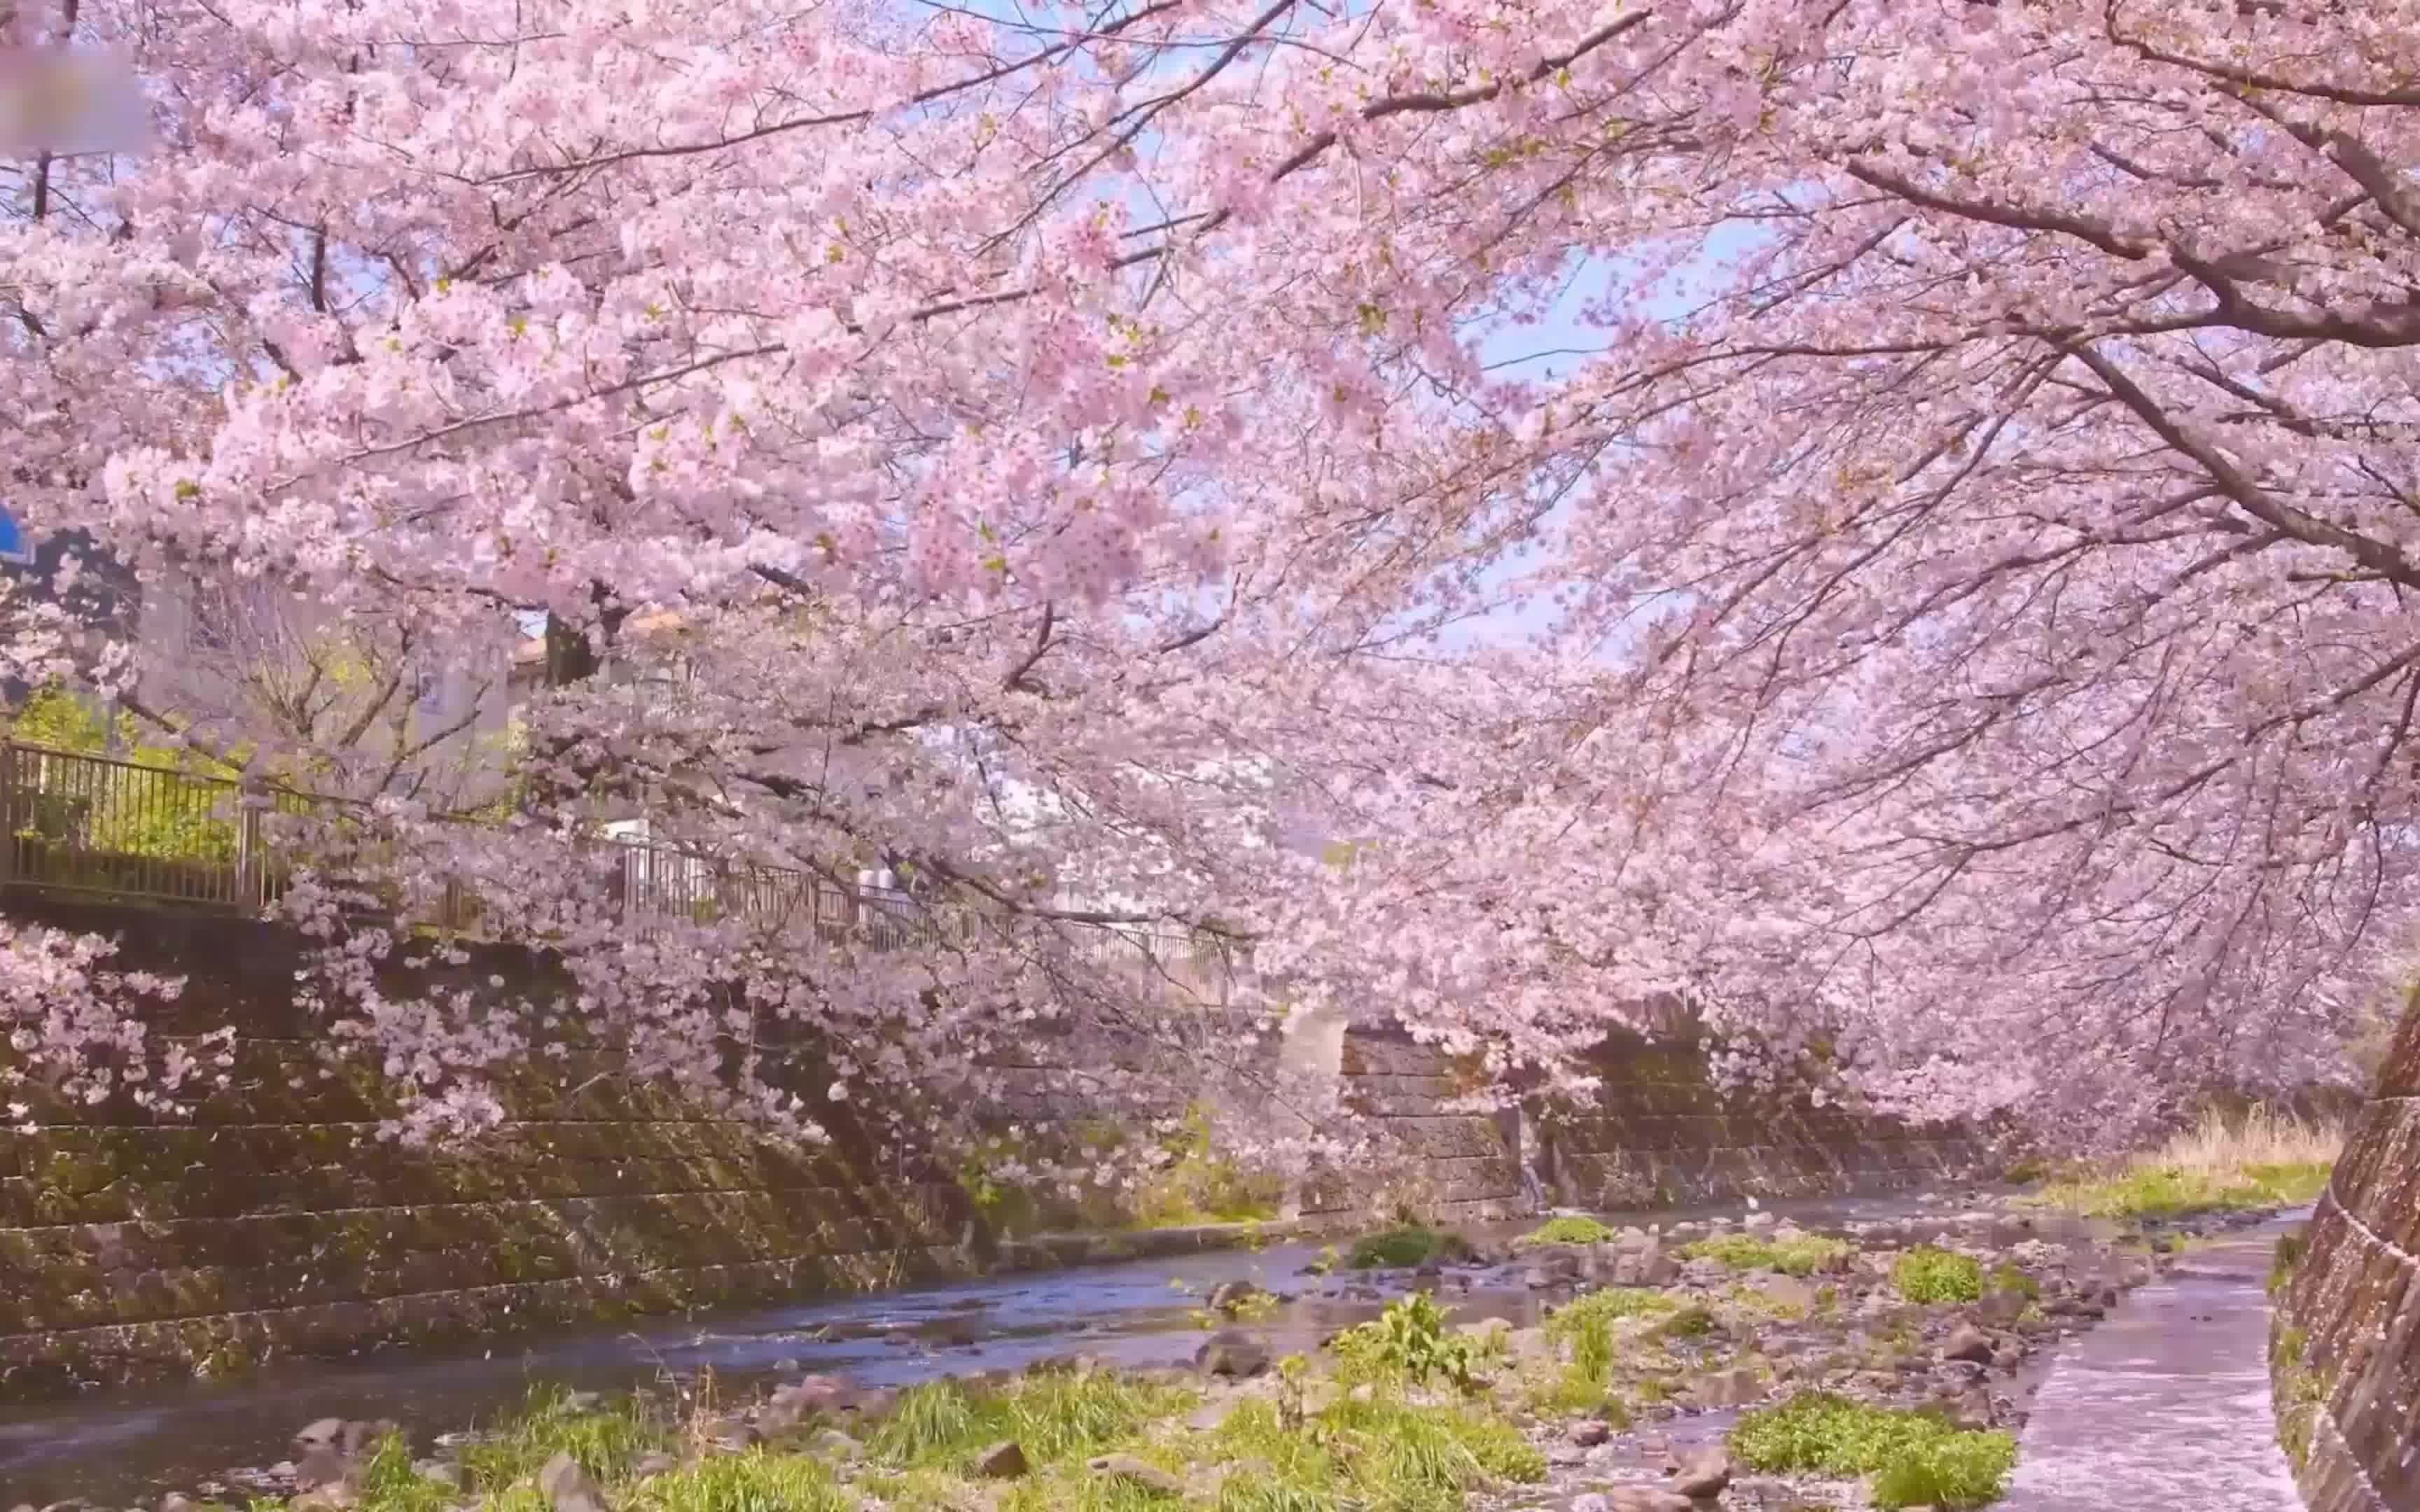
pixel 1950 459
pixel 2005 552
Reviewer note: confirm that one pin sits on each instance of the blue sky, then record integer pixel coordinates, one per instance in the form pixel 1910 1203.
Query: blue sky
pixel 1554 347
pixel 1550 347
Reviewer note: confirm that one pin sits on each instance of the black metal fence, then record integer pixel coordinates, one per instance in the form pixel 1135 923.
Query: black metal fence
pixel 78 823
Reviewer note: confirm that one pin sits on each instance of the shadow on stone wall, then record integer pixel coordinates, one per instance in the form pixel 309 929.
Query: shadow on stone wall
pixel 274 1221
pixel 1658 1135
pixel 2346 1347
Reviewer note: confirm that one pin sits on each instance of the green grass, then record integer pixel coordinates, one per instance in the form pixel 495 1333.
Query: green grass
pixel 1953 1469
pixel 1803 1256
pixel 1593 1349
pixel 751 1482
pixel 1387 1453
pixel 1584 1387
pixel 1383 1455
pixel 387 1482
pixel 1916 1459
pixel 1407 1244
pixel 1926 1275
pixel 605 1440
pixel 943 1425
pixel 1609 1305
pixel 1571 1392
pixel 2298 1391
pixel 2256 1159
pixel 1410 1343
pixel 1584 1326
pixel 1565 1230
pixel 2176 1191
pixel 2281 1262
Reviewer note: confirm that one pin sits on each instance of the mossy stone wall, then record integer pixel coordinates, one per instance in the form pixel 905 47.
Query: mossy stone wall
pixel 2348 1340
pixel 275 1221
pixel 1658 1135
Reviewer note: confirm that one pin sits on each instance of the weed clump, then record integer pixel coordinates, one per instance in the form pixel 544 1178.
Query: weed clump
pixel 1608 1306
pixel 1916 1459
pixel 1568 1229
pixel 1801 1255
pixel 1583 1327
pixel 1409 1342
pixel 1953 1469
pixel 1379 1454
pixel 2011 1278
pixel 1407 1244
pixel 942 1425
pixel 754 1481
pixel 607 1437
pixel 1925 1274
pixel 387 1482
pixel 2280 1264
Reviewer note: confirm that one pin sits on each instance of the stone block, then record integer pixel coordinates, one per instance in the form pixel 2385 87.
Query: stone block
pixel 2355 1298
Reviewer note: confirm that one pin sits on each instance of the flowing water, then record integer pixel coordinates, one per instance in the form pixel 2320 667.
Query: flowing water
pixel 120 1448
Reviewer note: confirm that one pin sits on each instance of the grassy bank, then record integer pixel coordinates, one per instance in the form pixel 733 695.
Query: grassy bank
pixel 1084 1442
pixel 2259 1159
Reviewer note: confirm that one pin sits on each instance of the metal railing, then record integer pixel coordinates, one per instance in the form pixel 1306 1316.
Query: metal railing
pixel 82 824
pixel 85 824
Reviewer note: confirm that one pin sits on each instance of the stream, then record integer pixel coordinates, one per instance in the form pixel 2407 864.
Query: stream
pixel 123 1447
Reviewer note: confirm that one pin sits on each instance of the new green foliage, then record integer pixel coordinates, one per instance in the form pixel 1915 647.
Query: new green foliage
pixel 606 1438
pixel 1406 1245
pixel 1584 1326
pixel 943 1425
pixel 1801 1254
pixel 150 800
pixel 756 1481
pixel 1929 1274
pixel 1409 1340
pixel 1567 1230
pixel 2287 1255
pixel 1916 1459
pixel 1383 1455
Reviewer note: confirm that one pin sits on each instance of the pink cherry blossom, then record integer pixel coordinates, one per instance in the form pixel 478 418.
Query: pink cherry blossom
pixel 1889 522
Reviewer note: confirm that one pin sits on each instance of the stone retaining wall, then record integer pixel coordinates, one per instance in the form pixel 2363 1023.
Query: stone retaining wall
pixel 2348 1341
pixel 1658 1135
pixel 275 1221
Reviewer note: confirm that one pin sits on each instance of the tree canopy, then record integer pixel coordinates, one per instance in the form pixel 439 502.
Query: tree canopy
pixel 1891 520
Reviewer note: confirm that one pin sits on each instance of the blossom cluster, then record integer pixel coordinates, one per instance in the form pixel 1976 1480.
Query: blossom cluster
pixel 1887 522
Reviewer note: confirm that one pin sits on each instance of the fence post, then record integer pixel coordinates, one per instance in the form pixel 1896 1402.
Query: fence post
pixel 8 811
pixel 248 892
